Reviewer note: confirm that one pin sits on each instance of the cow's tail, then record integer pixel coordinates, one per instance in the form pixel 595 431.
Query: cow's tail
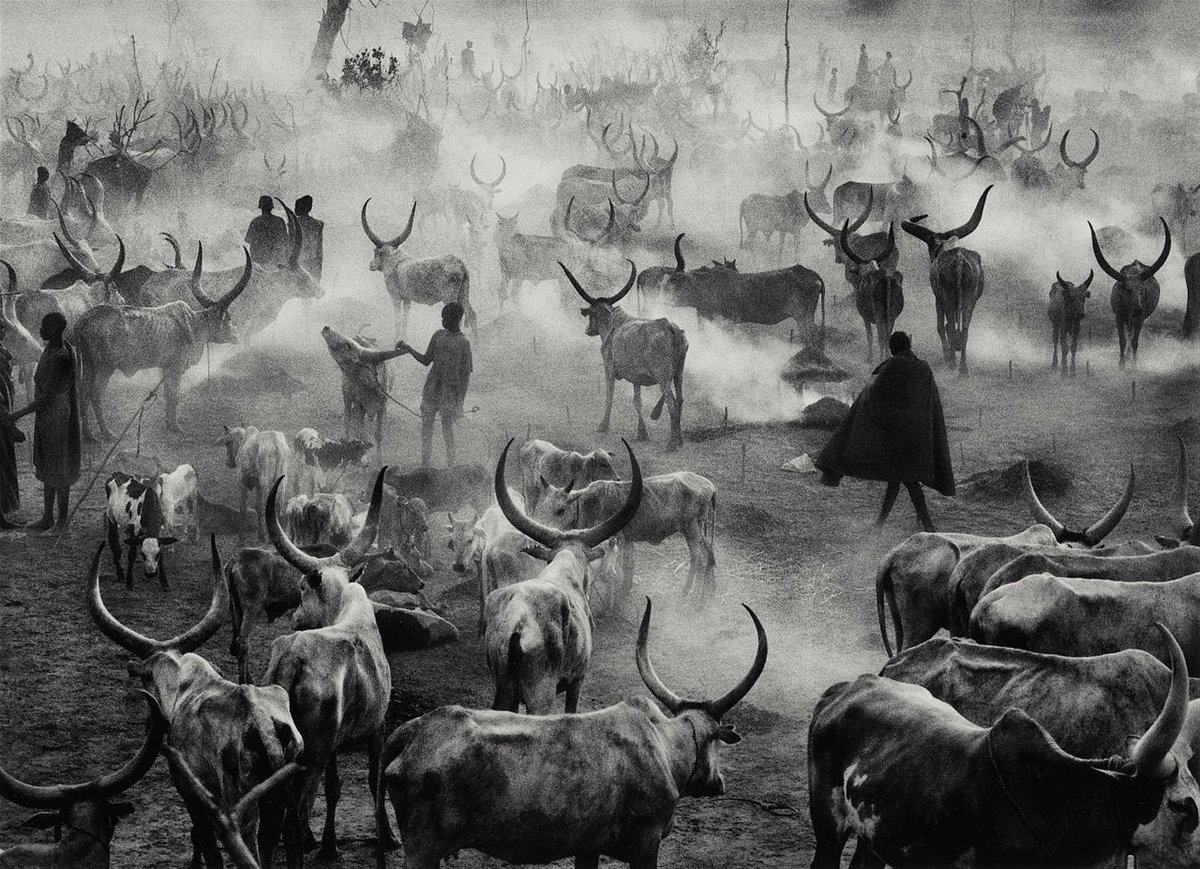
pixel 710 530
pixel 678 356
pixel 885 591
pixel 508 689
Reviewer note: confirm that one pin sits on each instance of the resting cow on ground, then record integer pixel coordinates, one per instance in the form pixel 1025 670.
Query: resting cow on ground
pixel 514 787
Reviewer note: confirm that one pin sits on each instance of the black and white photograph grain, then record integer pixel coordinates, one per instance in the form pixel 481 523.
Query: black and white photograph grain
pixel 665 434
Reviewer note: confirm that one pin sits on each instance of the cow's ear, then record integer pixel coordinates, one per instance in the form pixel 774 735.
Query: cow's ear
pixel 43 820
pixel 120 809
pixel 570 486
pixel 541 553
pixel 357 572
pixel 1166 542
pixel 313 578
pixel 728 735
pixel 1087 294
pixel 167 541
pixel 595 553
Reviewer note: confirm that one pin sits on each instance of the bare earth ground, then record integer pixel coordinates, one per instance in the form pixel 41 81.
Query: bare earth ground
pixel 802 555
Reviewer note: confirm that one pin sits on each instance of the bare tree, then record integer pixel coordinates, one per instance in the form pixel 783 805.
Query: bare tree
pixel 331 24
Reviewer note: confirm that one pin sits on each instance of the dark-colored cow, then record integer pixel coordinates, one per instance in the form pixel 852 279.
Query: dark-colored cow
pixel 767 215
pixel 1089 705
pixel 956 277
pixel 445 488
pixel 1066 316
pixel 878 289
pixel 1135 293
pixel 919 784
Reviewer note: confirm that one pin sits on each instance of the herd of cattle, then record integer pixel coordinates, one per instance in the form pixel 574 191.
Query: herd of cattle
pixel 1055 725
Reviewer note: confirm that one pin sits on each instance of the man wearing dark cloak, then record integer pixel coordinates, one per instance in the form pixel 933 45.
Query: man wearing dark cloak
pixel 894 432
pixel 312 249
pixel 10 497
pixel 40 202
pixel 267 236
pixel 56 430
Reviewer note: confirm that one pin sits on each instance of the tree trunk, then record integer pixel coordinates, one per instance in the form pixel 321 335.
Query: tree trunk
pixel 331 25
pixel 787 63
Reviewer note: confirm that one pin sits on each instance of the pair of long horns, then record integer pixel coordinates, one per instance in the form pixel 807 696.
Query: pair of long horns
pixel 606 300
pixel 612 221
pixel 1086 161
pixel 60 796
pixel 89 275
pixel 716 708
pixel 622 199
pixel 351 556
pixel 851 227
pixel 489 185
pixel 1062 282
pixel 226 300
pixel 141 645
pixel 1149 271
pixel 395 242
pixel 554 538
pixel 844 240
pixel 1094 533
pixel 930 237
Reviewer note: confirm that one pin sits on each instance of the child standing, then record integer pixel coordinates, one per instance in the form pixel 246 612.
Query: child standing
pixel 448 358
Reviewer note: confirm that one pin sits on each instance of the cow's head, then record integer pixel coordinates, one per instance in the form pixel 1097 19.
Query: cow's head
pixel 325 579
pixel 937 241
pixel 215 312
pixel 85 814
pixel 833 232
pixel 584 543
pixel 1135 278
pixel 153 550
pixel 1038 785
pixel 1095 533
pixel 599 309
pixel 703 717
pixel 388 254
pixel 1076 171
pixel 158 662
pixel 1073 296
pixel 462 539
pixel 507 227
pixel 232 440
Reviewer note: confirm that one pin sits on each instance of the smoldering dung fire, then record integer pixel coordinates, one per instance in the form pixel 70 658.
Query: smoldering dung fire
pixel 561 105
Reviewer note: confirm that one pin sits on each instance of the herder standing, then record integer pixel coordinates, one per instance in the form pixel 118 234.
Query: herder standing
pixel 449 360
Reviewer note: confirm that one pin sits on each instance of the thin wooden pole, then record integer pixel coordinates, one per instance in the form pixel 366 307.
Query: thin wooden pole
pixel 787 62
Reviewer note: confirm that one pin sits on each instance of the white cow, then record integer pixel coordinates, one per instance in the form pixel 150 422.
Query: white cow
pixel 262 457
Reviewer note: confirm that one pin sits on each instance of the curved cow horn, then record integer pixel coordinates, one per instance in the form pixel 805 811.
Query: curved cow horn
pixel 828 175
pixel 612 526
pixel 1103 263
pixel 829 115
pixel 291 553
pixel 844 242
pixel 12 276
pixel 674 154
pixel 622 199
pixel 679 267
pixel 1188 527
pixel 171 240
pixel 1100 529
pixel 62 223
pixel 295 233
pixel 1166 251
pixel 489 184
pixel 862 218
pixel 1088 282
pixel 197 278
pixel 1086 161
pixel 582 293
pixel 612 300
pixel 1152 753
pixel 717 708
pixel 226 300
pixel 103 788
pixel 115 271
pixel 356 553
pixel 812 215
pixel 973 223
pixel 141 645
pixel 88 274
pixel 548 537
pixel 1059 278
pixel 1034 150
pixel 1037 508
pixel 398 240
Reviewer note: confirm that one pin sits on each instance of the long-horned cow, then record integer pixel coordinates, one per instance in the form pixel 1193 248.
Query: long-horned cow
pixel 334 669
pixel 170 337
pixel 1135 291
pixel 86 813
pixel 531 789
pixel 643 352
pixel 1065 311
pixel 542 464
pixel 918 783
pixel 233 737
pixel 878 289
pixel 956 277
pixel 435 281
pixel 538 636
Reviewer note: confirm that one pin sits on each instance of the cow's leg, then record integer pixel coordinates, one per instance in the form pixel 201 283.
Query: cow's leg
pixel 573 689
pixel 347 413
pixel 963 331
pixel 1074 349
pixel 99 390
pixel 865 858
pixel 1121 341
pixel 940 314
pixel 1135 332
pixel 1054 342
pixel 385 840
pixel 379 434
pixel 642 434
pixel 610 383
pixel 129 566
pixel 830 835
pixel 627 567
pixel 114 546
pixel 171 389
pixel 204 840
pixel 870 340
pixel 333 794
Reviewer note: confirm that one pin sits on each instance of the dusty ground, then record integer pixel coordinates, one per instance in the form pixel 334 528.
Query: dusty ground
pixel 802 555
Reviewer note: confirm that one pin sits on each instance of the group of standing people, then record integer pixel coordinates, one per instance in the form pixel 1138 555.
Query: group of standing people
pixel 269 243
